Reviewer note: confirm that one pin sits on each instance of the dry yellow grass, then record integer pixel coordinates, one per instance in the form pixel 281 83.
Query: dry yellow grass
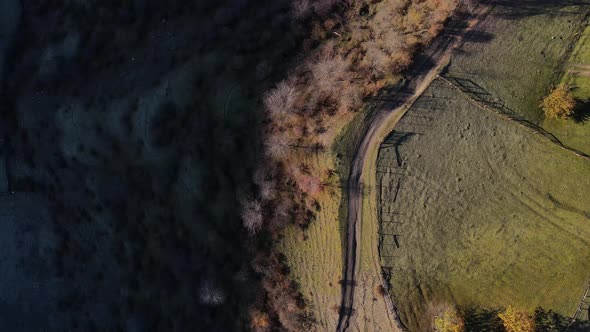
pixel 315 255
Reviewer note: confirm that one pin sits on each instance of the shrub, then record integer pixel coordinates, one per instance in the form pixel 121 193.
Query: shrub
pixel 451 320
pixel 280 100
pixel 559 104
pixel 259 321
pixel 252 216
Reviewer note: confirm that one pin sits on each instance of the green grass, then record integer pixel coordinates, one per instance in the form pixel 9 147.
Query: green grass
pixel 577 76
pixel 580 56
pixel 492 213
pixel 521 55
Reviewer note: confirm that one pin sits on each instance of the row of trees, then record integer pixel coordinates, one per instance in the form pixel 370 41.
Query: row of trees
pixel 450 319
pixel 513 320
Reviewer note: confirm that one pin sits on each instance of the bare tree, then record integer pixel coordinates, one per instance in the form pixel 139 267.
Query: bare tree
pixel 469 4
pixel 252 218
pixel 300 8
pixel 393 41
pixel 276 146
pixel 211 295
pixel 323 7
pixel 267 190
pixel 281 99
pixel 328 72
pixel 375 58
pixel 350 99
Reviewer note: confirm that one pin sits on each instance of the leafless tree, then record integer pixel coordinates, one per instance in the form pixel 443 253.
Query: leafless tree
pixel 211 295
pixel 375 58
pixel 281 99
pixel 329 71
pixel 301 8
pixel 469 4
pixel 276 146
pixel 267 190
pixel 263 177
pixel 252 218
pixel 323 7
pixel 350 99
pixel 393 41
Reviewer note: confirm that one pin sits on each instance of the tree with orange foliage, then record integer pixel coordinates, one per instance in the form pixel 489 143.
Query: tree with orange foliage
pixel 559 104
pixel 260 322
pixel 517 321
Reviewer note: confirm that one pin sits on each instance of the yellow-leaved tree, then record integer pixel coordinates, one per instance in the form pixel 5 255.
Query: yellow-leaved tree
pixel 450 321
pixel 517 321
pixel 559 104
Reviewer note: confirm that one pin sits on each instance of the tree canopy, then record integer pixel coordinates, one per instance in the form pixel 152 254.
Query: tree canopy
pixel 559 104
pixel 517 321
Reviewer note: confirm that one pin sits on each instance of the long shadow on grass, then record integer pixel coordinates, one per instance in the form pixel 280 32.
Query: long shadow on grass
pixel 515 9
pixel 478 36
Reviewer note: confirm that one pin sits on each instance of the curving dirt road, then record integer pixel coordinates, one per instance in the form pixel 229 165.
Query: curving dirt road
pixel 426 68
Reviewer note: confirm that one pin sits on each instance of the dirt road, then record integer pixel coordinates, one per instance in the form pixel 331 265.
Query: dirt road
pixel 426 68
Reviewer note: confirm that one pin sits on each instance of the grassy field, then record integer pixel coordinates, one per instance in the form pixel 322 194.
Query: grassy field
pixel 577 68
pixel 315 255
pixel 482 212
pixel 523 33
pixel 577 76
pixel 519 52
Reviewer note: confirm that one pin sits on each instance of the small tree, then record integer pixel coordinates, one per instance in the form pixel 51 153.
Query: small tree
pixel 281 100
pixel 559 103
pixel 450 321
pixel 209 294
pixel 469 4
pixel 517 321
pixel 259 321
pixel 276 146
pixel 252 218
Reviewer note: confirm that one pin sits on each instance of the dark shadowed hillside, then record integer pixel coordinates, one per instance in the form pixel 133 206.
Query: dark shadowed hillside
pixel 131 131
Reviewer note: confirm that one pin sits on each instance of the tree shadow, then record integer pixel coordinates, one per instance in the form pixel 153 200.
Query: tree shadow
pixel 482 320
pixel 478 36
pixel 582 111
pixel 549 321
pixel 516 9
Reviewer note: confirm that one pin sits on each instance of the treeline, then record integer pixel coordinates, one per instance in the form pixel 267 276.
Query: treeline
pixel 449 318
pixel 352 50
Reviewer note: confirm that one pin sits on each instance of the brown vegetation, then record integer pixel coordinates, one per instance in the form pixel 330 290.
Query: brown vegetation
pixel 381 291
pixel 354 48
